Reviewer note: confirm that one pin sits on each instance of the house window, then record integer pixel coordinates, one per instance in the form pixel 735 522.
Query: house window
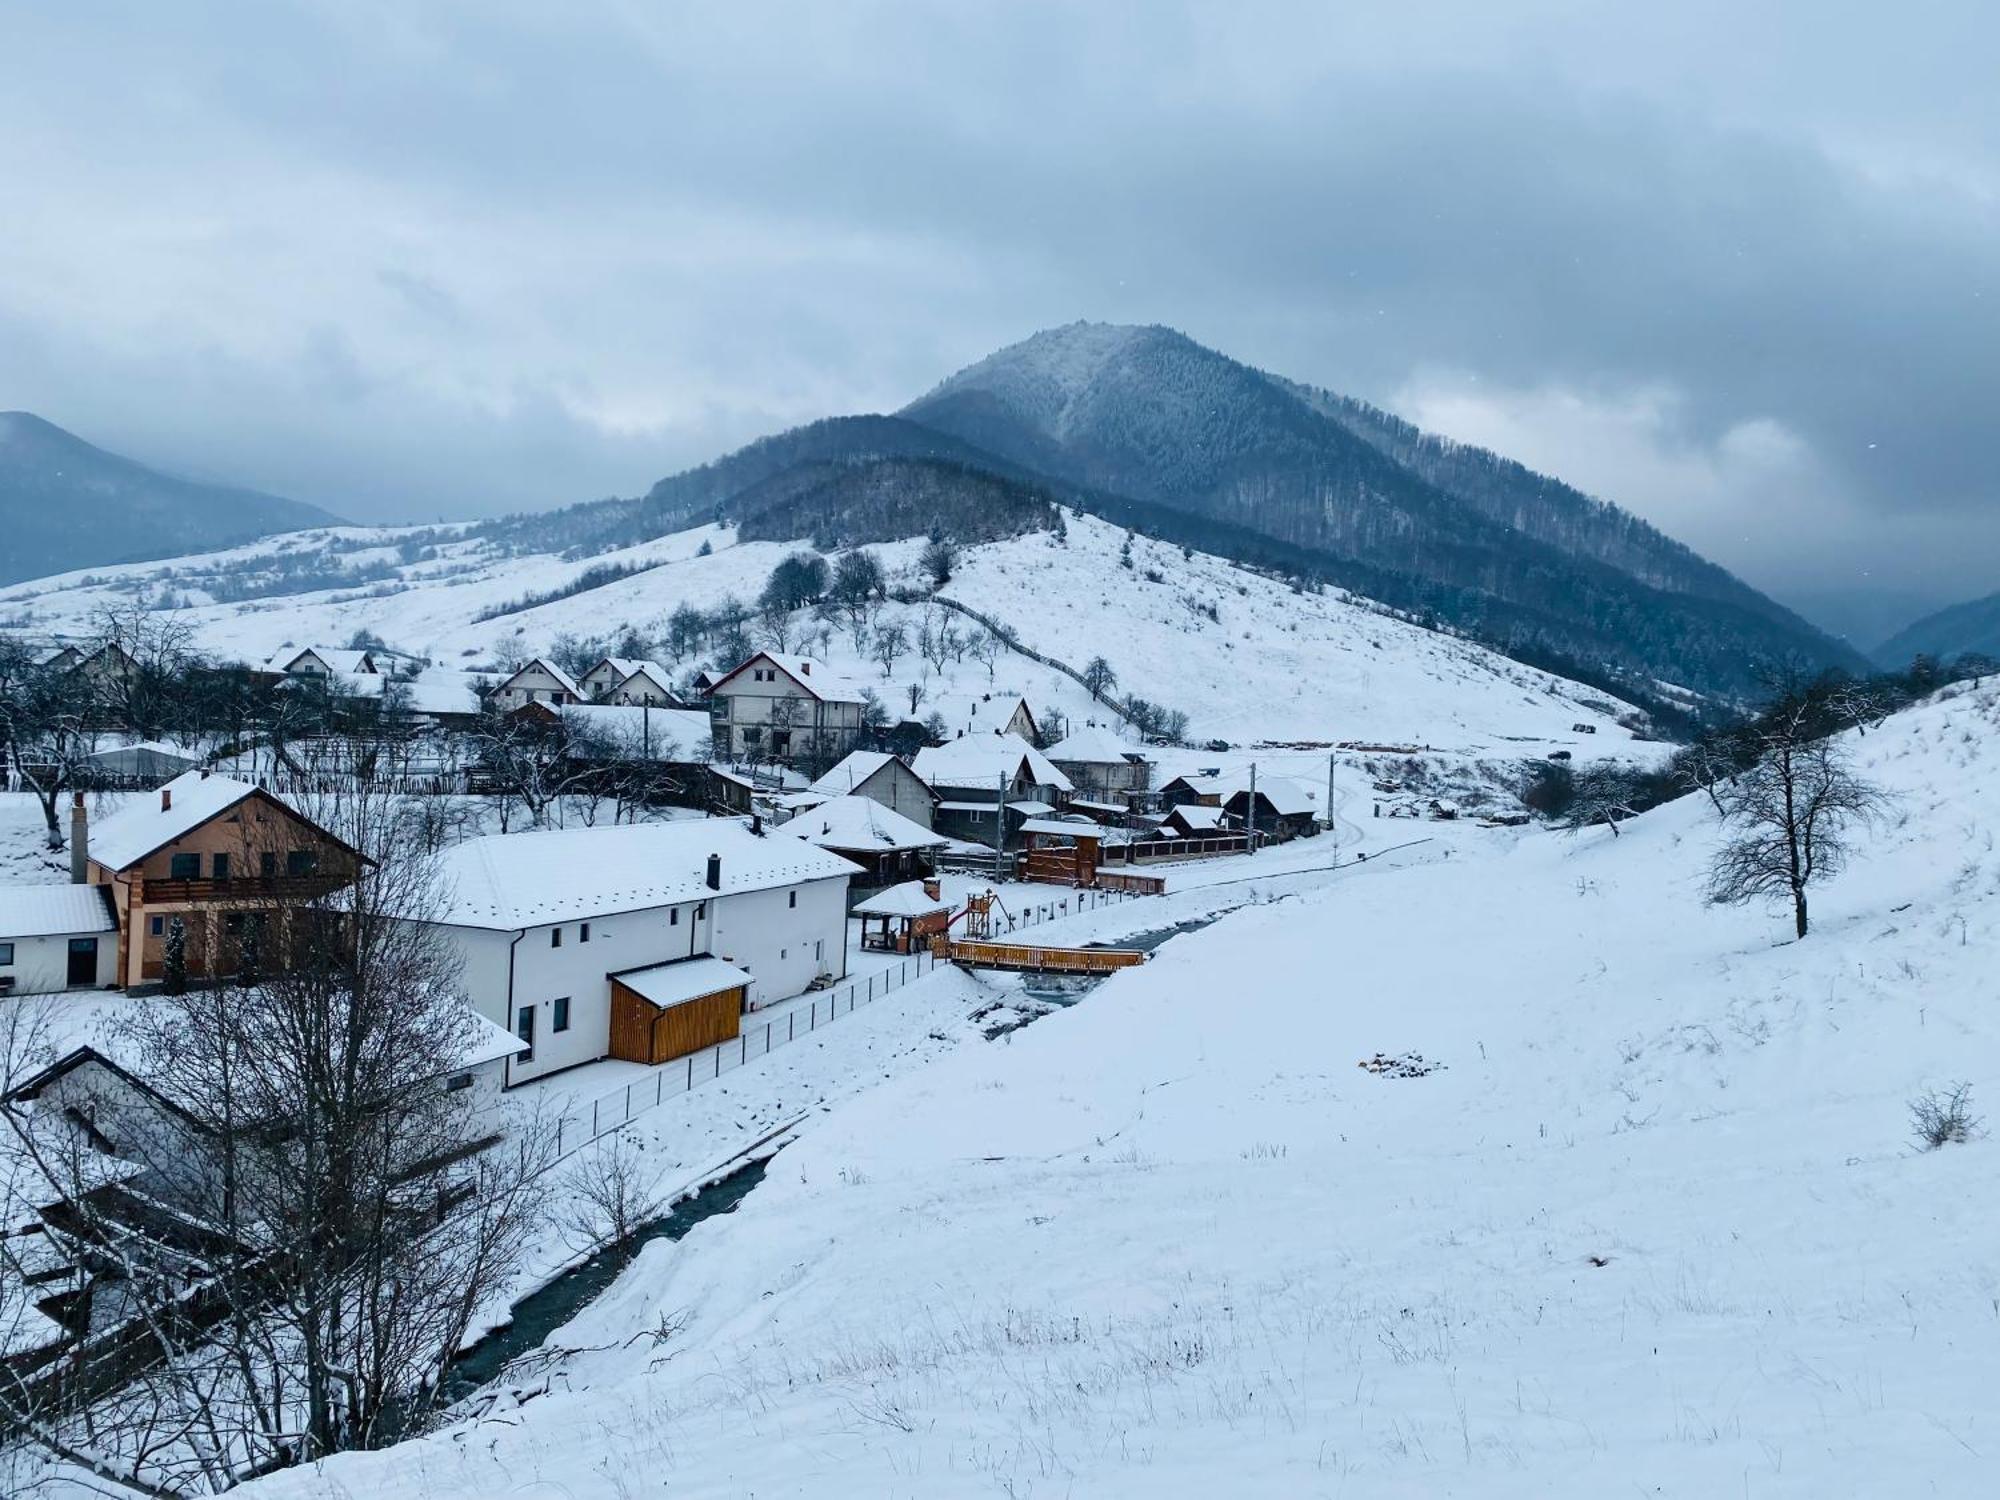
pixel 674 917
pixel 185 867
pixel 7 951
pixel 220 865
pixel 300 861
pixel 583 932
pixel 560 1020
pixel 457 1081
pixel 267 864
pixel 159 926
pixel 700 910
pixel 793 900
pixel 555 937
pixel 524 1028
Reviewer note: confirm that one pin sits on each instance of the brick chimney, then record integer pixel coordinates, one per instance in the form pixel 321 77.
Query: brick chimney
pixel 166 799
pixel 79 841
pixel 934 889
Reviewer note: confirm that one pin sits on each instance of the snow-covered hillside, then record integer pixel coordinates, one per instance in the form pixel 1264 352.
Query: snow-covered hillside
pixel 1644 1217
pixel 1245 656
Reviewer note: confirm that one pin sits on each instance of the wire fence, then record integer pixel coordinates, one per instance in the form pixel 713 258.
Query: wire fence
pixel 762 1035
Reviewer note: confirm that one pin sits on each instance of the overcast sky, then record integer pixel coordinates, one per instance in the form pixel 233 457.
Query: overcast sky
pixel 1731 266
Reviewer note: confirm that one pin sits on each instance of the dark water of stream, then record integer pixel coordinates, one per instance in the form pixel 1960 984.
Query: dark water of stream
pixel 546 1309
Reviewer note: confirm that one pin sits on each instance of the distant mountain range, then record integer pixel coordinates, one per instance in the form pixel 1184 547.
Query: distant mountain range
pixel 66 505
pixel 1961 630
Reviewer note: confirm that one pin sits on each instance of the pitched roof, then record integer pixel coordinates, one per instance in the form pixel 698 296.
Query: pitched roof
pixel 508 880
pixel 982 759
pixel 563 679
pixel 974 713
pixel 909 899
pixel 853 770
pixel 54 910
pixel 1285 796
pixel 1068 827
pixel 142 824
pixel 1094 745
pixel 861 825
pixel 816 678
pixel 652 671
pixel 338 659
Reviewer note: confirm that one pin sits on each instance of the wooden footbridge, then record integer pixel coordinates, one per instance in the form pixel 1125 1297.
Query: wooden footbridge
pixel 1032 958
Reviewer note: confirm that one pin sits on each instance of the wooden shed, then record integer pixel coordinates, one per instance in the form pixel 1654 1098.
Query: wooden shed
pixel 669 1010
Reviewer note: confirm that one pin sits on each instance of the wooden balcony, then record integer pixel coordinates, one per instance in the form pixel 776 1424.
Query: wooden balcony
pixel 244 891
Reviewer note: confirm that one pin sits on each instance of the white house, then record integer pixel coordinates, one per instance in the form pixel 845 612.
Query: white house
pixel 981 713
pixel 621 679
pixel 57 937
pixel 543 921
pixel 776 706
pixel 540 681
pixel 880 777
pixel 637 732
pixel 322 661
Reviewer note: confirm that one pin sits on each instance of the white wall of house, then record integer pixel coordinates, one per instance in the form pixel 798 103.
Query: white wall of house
pixel 784 937
pixel 40 964
pixel 532 684
pixel 748 717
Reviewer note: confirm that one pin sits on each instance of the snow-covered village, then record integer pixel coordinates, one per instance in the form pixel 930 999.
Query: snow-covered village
pixel 684 814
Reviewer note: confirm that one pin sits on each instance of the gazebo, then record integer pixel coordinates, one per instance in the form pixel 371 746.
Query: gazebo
pixel 903 918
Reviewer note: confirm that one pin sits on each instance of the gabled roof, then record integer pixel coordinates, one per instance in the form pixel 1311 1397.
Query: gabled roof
pixel 142 823
pixel 1073 828
pixel 542 663
pixel 975 713
pixel 814 678
pixel 1286 797
pixel 981 760
pixel 336 659
pixel 1094 745
pixel 55 910
pixel 861 825
pixel 652 672
pixel 507 880
pixel 855 769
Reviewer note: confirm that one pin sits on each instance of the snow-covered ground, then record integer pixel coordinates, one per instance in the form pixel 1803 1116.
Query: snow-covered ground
pixel 1646 1219
pixel 1245 656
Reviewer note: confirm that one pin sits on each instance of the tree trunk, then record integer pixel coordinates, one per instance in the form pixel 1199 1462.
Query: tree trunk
pixel 1799 909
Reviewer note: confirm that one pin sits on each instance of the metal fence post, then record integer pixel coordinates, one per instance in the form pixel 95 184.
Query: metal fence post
pixel 593 1119
pixel 628 1101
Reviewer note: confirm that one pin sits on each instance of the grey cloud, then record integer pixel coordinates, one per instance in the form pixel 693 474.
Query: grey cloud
pixel 400 260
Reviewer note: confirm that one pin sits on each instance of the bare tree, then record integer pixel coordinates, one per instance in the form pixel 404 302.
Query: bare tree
pixel 986 648
pixel 1099 678
pixel 1601 793
pixel 888 642
pixel 613 1193
pixel 1788 819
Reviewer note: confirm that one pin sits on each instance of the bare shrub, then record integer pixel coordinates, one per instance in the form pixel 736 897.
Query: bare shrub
pixel 1943 1117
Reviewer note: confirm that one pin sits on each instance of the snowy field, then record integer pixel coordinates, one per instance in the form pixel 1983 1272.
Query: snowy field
pixel 1645 1218
pixel 1243 655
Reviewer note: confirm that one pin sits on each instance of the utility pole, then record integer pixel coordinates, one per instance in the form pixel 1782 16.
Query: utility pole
pixel 1000 826
pixel 1250 812
pixel 1332 826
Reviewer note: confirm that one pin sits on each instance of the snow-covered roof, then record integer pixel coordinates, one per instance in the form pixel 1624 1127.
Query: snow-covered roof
pixel 1067 827
pixel 683 980
pixel 543 664
pixel 860 824
pixel 1093 745
pixel 637 729
pixel 54 910
pixel 851 771
pixel 815 677
pixel 336 659
pixel 508 880
pixel 909 899
pixel 180 753
pixel 143 823
pixel 981 760
pixel 651 671
pixel 435 690
pixel 974 713
pixel 1195 815
pixel 1285 796
pixel 489 1042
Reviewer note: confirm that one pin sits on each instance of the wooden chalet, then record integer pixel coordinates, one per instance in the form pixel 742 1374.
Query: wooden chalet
pixel 227 859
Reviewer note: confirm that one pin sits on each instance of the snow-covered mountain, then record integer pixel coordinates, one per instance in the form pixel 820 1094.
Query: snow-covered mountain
pixel 1246 656
pixel 1622 1198
pixel 65 504
pixel 1963 629
pixel 1148 414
